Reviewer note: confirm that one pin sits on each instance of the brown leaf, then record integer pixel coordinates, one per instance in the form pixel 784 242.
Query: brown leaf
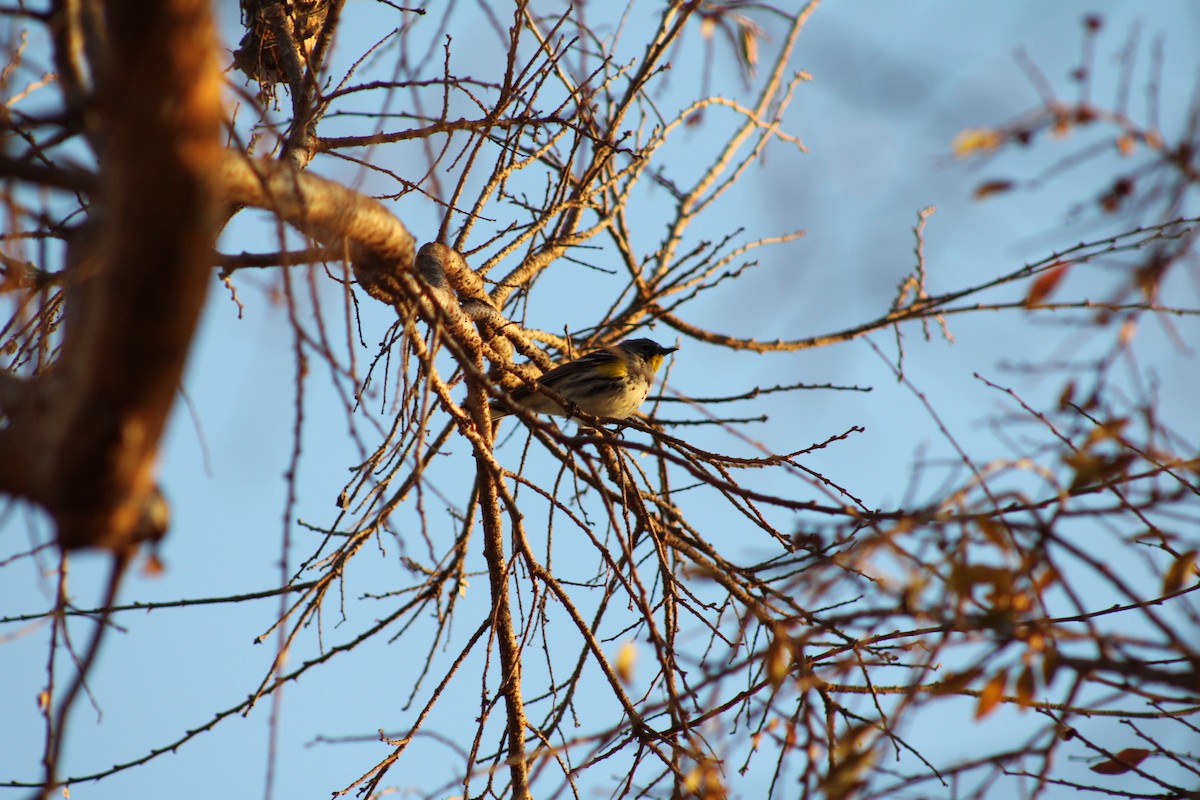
pixel 1050 664
pixel 1044 578
pixel 1179 571
pixel 704 781
pixel 626 658
pixel 965 577
pixel 1026 686
pixel 852 757
pixel 989 188
pixel 845 779
pixel 1125 760
pixel 1046 283
pixel 1090 469
pixel 154 567
pixel 995 533
pixel 975 139
pixel 1112 200
pixel 1110 430
pixel 1067 396
pixel 748 35
pixel 992 694
pixel 779 657
pixel 955 682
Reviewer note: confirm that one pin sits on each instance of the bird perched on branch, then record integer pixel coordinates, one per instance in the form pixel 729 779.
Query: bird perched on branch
pixel 611 382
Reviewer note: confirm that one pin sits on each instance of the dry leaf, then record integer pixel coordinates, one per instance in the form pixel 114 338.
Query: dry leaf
pixel 748 34
pixel 976 139
pixel 1091 469
pixel 1046 283
pixel 1026 686
pixel 1067 396
pixel 692 780
pixel 955 682
pixel 1179 571
pixel 846 777
pixel 1125 760
pixel 154 567
pixel 1106 431
pixel 989 188
pixel 1050 664
pixel 1044 578
pixel 965 577
pixel 994 532
pixel 992 694
pixel 1128 331
pixel 704 781
pixel 626 658
pixel 779 657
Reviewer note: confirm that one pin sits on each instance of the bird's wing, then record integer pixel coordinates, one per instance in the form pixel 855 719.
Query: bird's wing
pixel 603 361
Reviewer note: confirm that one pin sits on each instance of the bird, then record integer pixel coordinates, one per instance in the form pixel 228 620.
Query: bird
pixel 612 382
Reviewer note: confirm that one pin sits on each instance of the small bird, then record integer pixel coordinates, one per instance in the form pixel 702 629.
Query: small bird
pixel 605 383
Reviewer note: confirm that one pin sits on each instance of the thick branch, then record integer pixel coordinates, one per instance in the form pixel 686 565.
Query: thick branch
pixel 377 244
pixel 505 631
pixel 141 279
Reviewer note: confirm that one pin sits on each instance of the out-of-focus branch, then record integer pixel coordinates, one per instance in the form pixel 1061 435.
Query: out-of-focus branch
pixel 59 176
pixel 139 280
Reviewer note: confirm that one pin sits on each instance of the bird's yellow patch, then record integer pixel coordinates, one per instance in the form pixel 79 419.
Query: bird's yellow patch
pixel 613 369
